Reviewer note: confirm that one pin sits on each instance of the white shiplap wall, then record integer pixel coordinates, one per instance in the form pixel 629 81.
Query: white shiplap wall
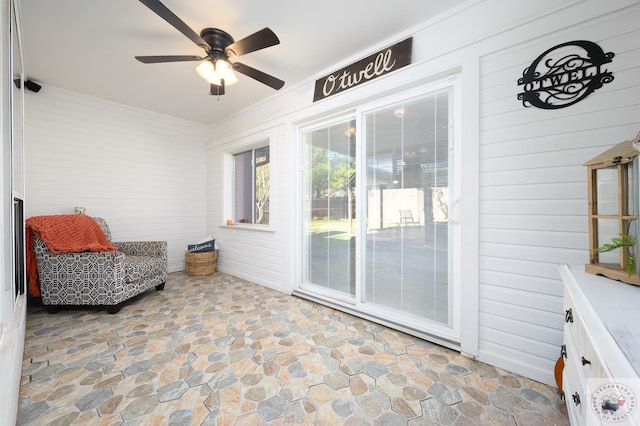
pixel 259 255
pixel 142 172
pixel 525 187
pixel 533 194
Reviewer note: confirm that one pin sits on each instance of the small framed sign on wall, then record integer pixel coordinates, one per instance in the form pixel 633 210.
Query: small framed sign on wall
pixel 564 75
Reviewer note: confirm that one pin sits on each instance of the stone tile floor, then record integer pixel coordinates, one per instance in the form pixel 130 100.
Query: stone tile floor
pixel 219 350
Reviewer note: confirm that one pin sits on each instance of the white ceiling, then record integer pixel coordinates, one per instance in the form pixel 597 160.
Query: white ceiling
pixel 88 46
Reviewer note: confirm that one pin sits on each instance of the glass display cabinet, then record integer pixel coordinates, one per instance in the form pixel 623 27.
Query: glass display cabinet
pixel 613 186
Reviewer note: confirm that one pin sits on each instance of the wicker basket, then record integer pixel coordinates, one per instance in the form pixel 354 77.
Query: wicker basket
pixel 198 264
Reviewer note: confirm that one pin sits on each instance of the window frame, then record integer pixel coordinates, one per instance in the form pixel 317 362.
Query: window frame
pixel 253 202
pixel 228 151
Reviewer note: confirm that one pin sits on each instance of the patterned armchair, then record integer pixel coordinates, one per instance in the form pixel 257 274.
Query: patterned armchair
pixel 106 278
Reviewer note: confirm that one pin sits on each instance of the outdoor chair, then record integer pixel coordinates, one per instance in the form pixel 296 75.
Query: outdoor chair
pixel 406 217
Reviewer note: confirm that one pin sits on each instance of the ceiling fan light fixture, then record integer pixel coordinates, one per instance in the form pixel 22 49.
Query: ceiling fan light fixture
pixel 215 73
pixel 206 70
pixel 223 69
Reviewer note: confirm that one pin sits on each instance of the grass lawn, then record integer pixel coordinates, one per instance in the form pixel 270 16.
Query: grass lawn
pixel 339 228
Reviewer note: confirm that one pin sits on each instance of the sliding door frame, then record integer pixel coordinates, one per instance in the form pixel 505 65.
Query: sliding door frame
pixel 428 330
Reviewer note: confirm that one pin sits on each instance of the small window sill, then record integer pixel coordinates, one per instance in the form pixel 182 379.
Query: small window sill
pixel 249 227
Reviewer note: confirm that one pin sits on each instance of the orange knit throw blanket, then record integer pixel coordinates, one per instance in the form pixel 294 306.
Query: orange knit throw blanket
pixel 69 233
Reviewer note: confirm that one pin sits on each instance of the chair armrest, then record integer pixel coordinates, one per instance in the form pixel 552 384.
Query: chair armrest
pixel 143 248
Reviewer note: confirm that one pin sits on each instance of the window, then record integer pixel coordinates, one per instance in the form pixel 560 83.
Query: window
pixel 252 186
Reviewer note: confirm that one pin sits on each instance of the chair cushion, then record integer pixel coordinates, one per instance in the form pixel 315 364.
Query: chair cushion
pixel 138 267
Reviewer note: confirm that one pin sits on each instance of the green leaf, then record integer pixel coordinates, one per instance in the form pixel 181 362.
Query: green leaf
pixel 631 265
pixel 625 240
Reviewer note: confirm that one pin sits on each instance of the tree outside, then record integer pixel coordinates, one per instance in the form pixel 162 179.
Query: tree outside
pixel 263 191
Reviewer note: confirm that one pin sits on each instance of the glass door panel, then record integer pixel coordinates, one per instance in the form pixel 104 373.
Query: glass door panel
pixel 329 219
pixel 406 246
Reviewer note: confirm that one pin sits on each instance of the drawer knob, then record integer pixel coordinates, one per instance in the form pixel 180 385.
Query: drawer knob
pixel 576 398
pixel 568 315
pixel 585 361
pixel 563 351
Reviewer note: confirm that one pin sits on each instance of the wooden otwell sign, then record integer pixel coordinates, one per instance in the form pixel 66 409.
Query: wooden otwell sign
pixel 373 66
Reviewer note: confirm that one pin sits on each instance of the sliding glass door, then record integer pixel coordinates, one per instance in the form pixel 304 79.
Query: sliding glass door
pixel 329 224
pixel 406 240
pixel 376 231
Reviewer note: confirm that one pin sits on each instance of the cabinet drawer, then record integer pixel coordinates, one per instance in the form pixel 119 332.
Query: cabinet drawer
pixel 574 394
pixel 582 349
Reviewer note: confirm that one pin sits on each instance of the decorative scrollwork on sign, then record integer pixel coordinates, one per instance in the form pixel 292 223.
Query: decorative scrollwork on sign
pixel 565 75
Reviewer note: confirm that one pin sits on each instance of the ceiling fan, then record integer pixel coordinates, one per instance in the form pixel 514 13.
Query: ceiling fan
pixel 215 66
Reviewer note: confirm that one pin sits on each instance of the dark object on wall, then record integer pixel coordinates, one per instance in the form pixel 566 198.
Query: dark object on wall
pixel 29 84
pixel 373 66
pixel 565 75
pixel 219 47
pixel 32 85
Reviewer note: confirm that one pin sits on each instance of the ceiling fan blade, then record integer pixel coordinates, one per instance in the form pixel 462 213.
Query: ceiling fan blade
pixel 216 90
pixel 162 11
pixel 167 58
pixel 262 77
pixel 256 41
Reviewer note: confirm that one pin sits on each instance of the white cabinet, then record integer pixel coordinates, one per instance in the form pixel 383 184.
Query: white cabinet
pixel 601 349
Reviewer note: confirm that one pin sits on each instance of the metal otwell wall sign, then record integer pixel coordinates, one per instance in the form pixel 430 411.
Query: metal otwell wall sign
pixel 373 66
pixel 565 75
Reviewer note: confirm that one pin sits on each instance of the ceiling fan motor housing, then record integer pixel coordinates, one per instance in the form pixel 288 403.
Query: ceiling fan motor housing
pixel 217 39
